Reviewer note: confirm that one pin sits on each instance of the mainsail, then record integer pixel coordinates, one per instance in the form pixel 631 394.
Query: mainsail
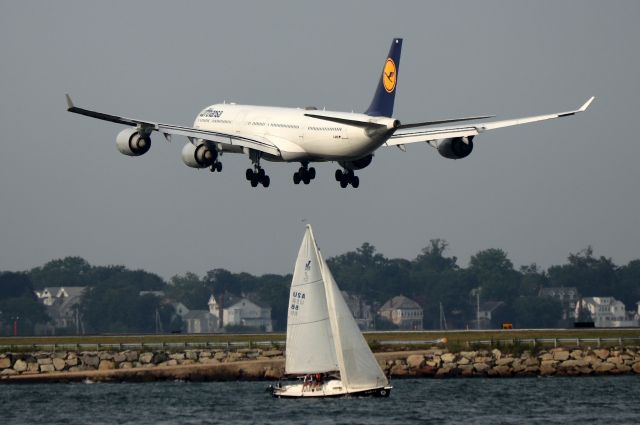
pixel 310 346
pixel 322 335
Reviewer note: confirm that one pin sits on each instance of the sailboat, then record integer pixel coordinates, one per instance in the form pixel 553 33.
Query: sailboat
pixel 324 344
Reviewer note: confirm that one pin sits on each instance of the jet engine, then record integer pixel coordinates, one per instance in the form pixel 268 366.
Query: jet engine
pixel 357 164
pixel 198 156
pixel 455 148
pixel 130 142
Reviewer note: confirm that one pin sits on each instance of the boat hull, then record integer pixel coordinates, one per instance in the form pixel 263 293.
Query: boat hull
pixel 330 389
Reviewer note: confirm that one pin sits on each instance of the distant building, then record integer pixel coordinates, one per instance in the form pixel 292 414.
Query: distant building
pixel 200 322
pixel 241 311
pixel 486 314
pixel 402 312
pixel 362 312
pixel 567 296
pixel 606 312
pixel 62 304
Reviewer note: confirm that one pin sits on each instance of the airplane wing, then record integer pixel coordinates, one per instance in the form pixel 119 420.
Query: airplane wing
pixel 410 134
pixel 258 143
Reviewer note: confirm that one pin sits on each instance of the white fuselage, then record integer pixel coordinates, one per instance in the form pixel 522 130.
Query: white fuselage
pixel 298 137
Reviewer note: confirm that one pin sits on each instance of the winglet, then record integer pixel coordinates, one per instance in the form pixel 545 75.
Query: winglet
pixel 586 104
pixel 69 102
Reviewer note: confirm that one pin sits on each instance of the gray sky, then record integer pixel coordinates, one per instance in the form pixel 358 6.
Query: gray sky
pixel 539 191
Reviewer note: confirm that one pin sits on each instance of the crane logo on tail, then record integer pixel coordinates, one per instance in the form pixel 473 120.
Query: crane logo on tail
pixel 389 75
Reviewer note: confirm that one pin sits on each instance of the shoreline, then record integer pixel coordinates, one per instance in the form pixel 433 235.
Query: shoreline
pixel 268 365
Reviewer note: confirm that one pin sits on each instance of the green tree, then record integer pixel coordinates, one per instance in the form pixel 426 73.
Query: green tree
pixel 592 276
pixel 190 290
pixel 535 312
pixel 68 271
pixel 495 274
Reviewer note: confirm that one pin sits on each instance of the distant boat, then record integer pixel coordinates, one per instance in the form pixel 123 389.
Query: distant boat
pixel 325 347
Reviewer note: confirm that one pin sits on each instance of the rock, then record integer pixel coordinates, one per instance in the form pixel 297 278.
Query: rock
pixel 504 361
pixel 622 368
pixel 464 361
pixel 177 356
pixel 132 356
pixel 59 363
pixel 415 361
pixel 5 362
pixel 72 361
pixel 33 367
pixel 443 372
pixel 561 355
pixel 20 366
pixel 636 367
pixel 218 356
pixel 8 371
pixel 466 370
pixel 120 357
pixel 272 353
pixel 171 362
pixel 125 365
pixel 105 355
pixel 547 369
pixel 91 361
pixel 576 354
pixel 503 370
pixel 42 355
pixel 45 361
pixel 205 353
pixel 59 355
pixel 480 367
pixel 145 358
pixel 160 357
pixel 71 355
pixel 483 359
pixel 208 360
pixel 191 354
pixel 546 356
pixel 531 361
pixel 604 367
pixel 233 357
pixel 47 367
pixel 531 370
pixel 602 353
pixel 187 361
pixel 615 360
pixel 106 365
pixel 435 362
pixel 75 369
pixel 448 357
pixel 568 364
pixel 273 373
pixel 399 370
pixel 468 354
pixel 496 353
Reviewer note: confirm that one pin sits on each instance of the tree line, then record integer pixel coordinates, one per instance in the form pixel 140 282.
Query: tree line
pixel 113 303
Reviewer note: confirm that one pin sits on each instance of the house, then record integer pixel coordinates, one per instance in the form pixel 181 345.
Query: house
pixel 62 305
pixel 402 312
pixel 568 298
pixel 606 312
pixel 486 314
pixel 241 311
pixel 362 312
pixel 200 321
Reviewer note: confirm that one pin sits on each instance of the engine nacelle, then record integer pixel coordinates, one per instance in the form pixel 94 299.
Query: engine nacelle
pixel 455 148
pixel 199 156
pixel 130 142
pixel 358 164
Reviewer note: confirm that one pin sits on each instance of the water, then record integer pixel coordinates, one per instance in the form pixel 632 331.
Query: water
pixel 480 401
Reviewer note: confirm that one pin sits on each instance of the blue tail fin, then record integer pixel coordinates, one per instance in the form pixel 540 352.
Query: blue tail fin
pixel 382 103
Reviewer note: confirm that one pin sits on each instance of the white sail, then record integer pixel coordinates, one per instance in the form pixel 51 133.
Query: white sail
pixel 310 345
pixel 359 369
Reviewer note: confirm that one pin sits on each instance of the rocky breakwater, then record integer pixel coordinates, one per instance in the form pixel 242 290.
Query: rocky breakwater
pixel 441 363
pixel 258 364
pixel 130 365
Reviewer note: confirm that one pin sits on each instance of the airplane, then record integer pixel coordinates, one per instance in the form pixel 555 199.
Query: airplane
pixel 308 135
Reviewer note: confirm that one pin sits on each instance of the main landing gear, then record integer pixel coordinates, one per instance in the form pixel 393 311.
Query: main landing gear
pixel 346 178
pixel 216 166
pixel 304 174
pixel 258 176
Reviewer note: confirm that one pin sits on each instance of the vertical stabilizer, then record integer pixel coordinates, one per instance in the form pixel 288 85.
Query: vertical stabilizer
pixel 382 103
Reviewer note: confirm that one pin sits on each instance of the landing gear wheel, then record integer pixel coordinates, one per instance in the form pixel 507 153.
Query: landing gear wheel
pixel 249 174
pixel 355 181
pixel 261 173
pixel 218 166
pixel 312 173
pixel 296 178
pixel 339 175
pixel 266 181
pixel 254 181
pixel 306 179
pixel 343 183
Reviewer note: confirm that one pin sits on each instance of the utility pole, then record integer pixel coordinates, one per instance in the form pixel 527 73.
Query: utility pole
pixel 478 308
pixel 443 319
